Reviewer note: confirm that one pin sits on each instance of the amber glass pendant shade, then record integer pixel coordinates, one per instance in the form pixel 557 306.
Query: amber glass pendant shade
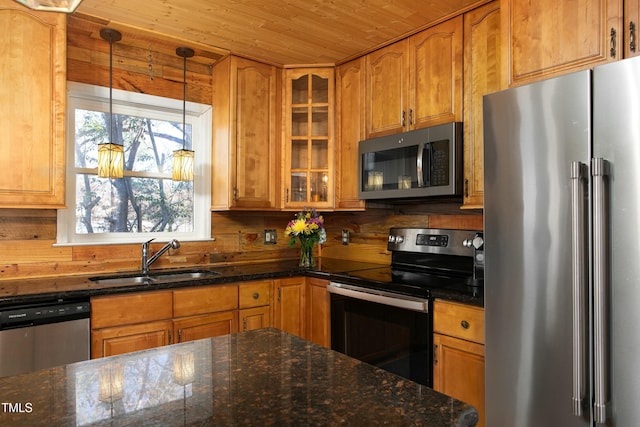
pixel 110 160
pixel 110 155
pixel 182 167
pixel 67 6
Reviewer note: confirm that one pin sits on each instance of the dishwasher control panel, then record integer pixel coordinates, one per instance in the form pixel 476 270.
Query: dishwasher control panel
pixel 40 314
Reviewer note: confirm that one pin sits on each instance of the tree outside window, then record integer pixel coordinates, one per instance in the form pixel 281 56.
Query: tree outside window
pixel 145 201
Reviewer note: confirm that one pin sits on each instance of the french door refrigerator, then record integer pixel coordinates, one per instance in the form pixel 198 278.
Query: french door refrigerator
pixel 562 250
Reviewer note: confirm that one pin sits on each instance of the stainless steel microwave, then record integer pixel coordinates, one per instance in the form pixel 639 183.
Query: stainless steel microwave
pixel 421 163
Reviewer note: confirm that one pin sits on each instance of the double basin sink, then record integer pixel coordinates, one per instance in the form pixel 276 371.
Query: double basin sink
pixel 152 277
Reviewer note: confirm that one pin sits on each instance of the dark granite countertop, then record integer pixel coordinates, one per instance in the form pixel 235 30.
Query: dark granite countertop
pixel 258 378
pixel 27 291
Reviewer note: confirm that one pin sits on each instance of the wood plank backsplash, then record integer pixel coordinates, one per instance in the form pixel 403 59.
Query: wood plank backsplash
pixel 27 239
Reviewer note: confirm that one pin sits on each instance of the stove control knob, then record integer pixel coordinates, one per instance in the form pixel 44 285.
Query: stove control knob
pixel 476 243
pixel 399 239
pixel 392 238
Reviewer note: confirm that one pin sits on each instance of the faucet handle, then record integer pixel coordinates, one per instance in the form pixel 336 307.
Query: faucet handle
pixel 148 241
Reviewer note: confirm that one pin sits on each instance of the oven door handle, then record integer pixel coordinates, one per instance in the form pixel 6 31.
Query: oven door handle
pixel 372 295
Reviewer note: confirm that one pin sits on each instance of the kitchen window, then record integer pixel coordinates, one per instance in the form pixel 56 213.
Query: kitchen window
pixel 145 203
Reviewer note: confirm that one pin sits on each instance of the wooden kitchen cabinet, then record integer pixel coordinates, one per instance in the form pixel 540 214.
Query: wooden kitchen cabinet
pixel 318 312
pixel 255 305
pixel 33 111
pixel 631 28
pixel 546 37
pixel 289 308
pixel 308 142
pixel 483 74
pixel 130 322
pixel 205 326
pixel 458 356
pixel 416 82
pixel 205 312
pixel 245 156
pixel 350 130
pixel 130 338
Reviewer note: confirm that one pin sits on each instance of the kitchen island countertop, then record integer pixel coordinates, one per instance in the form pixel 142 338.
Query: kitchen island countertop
pixel 263 377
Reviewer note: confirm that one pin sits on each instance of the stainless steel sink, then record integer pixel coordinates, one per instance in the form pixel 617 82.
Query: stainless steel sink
pixel 152 277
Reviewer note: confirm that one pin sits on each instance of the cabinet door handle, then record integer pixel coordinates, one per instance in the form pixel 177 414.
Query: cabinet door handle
pixel 435 354
pixel 179 335
pixel 402 118
pixel 612 43
pixel 464 324
pixel 170 337
pixel 256 295
pixel 244 323
pixel 287 195
pixel 410 116
pixel 632 36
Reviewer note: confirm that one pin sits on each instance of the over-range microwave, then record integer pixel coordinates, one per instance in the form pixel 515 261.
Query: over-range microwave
pixel 421 163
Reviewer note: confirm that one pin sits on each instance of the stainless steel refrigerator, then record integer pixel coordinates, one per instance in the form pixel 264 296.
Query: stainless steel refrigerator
pixel 562 250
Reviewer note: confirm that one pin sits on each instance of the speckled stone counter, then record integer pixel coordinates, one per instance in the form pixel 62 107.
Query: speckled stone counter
pixel 259 378
pixel 30 291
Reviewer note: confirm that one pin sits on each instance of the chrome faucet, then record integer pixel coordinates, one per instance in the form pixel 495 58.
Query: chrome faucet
pixel 146 262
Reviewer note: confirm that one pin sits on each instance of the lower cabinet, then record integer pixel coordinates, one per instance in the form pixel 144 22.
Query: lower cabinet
pixel 130 322
pixel 126 339
pixel 458 353
pixel 139 321
pixel 205 326
pixel 289 312
pixel 318 312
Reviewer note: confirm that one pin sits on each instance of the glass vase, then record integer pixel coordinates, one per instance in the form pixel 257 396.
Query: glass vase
pixel 306 253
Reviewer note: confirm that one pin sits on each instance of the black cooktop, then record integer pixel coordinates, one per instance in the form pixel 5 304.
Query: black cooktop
pixel 407 282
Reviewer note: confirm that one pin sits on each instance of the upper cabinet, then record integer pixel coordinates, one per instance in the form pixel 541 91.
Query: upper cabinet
pixel 245 161
pixel 483 74
pixel 32 114
pixel 308 145
pixel 550 37
pixel 630 30
pixel 416 82
pixel 350 87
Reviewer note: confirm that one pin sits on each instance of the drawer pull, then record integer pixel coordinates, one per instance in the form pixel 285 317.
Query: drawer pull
pixel 256 295
pixel 464 324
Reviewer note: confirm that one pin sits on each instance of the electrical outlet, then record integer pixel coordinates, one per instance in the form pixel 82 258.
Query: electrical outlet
pixel 270 237
pixel 345 236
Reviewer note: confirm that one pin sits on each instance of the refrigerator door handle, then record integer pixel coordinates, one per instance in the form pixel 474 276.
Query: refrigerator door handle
pixel 600 172
pixel 579 173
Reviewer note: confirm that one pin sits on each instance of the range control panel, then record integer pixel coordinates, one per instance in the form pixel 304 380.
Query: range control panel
pixel 432 240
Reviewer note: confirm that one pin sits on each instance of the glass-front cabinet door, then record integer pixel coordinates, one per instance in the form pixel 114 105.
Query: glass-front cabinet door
pixel 308 137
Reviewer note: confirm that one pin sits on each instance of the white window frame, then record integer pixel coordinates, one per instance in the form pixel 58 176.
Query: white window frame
pixel 80 95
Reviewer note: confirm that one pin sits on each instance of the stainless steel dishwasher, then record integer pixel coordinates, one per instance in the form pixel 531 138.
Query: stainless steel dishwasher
pixel 44 335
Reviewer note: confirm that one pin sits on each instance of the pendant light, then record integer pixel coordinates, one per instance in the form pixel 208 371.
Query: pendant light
pixel 110 155
pixel 182 168
pixel 66 6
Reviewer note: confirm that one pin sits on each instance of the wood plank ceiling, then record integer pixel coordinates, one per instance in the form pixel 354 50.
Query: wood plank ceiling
pixel 280 32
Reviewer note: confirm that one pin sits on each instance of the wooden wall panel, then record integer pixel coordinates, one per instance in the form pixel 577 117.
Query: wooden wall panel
pixel 141 63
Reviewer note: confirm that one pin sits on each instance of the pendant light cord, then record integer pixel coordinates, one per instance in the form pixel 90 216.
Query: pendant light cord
pixel 184 104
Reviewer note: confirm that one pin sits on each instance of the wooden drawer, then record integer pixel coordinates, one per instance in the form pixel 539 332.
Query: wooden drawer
pixel 201 300
pixel 129 309
pixel 255 294
pixel 458 320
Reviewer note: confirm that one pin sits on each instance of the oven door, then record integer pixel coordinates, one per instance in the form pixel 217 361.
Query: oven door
pixel 393 332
